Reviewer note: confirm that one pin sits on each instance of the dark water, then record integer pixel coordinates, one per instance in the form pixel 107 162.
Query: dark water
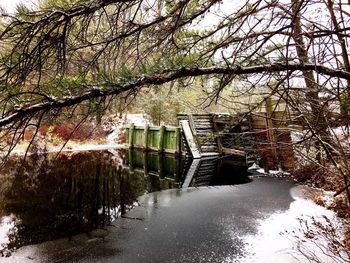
pixel 47 197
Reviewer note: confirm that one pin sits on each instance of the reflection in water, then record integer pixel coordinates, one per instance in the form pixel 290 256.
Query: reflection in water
pixel 48 198
pixel 216 171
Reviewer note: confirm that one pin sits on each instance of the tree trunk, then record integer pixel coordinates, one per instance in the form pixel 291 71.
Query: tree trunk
pixel 344 100
pixel 318 120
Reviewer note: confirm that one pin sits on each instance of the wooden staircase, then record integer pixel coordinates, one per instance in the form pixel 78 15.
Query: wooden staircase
pixel 203 129
pixel 250 137
pixel 198 131
pixel 200 135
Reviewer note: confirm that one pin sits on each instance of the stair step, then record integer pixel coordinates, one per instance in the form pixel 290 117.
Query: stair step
pixel 208 117
pixel 205 133
pixel 209 146
pixel 208 142
pixel 212 145
pixel 203 127
pixel 203 123
pixel 206 139
pixel 209 154
pixel 206 147
pixel 210 151
pixel 203 119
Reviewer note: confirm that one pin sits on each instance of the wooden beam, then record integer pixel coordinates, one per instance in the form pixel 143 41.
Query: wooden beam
pixel 233 152
pixel 218 137
pixel 190 139
pixel 270 129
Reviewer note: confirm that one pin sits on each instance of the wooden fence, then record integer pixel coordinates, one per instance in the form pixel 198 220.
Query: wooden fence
pixel 159 138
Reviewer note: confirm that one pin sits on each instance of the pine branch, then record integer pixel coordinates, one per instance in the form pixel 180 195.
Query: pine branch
pixel 108 89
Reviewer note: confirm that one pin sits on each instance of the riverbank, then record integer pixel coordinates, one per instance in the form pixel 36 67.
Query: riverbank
pixel 70 146
pixel 65 137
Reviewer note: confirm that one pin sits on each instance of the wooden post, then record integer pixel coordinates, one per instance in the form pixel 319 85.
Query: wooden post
pixel 161 138
pixel 131 161
pixel 218 137
pixel 178 141
pixel 131 135
pixel 145 134
pixel 270 130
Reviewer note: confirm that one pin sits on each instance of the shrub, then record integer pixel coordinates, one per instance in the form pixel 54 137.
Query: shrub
pixel 27 136
pixel 43 130
pixel 318 176
pixel 67 131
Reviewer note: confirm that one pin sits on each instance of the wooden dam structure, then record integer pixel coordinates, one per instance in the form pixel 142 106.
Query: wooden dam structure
pixel 247 138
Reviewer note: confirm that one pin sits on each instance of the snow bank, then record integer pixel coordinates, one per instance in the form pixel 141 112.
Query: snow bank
pixel 280 237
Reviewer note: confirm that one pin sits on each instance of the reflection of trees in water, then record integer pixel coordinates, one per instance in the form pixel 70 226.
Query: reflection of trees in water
pixel 64 196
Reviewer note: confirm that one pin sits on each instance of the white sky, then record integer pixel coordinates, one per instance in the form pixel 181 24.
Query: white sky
pixel 10 5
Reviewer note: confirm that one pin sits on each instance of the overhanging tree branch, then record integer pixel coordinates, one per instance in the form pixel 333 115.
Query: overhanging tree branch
pixel 109 88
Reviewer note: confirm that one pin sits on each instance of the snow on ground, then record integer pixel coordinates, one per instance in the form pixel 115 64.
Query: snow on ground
pixel 261 171
pixel 76 148
pixel 116 127
pixel 6 224
pixel 113 123
pixel 343 136
pixel 137 119
pixel 280 237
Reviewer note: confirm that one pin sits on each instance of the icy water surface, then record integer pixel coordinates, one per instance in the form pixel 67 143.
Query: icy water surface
pixel 48 197
pixel 129 207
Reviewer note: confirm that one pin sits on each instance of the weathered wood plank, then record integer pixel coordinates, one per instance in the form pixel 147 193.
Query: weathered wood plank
pixel 233 151
pixel 158 139
pixel 178 142
pixel 131 135
pixel 190 139
pixel 145 136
